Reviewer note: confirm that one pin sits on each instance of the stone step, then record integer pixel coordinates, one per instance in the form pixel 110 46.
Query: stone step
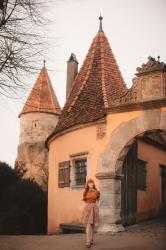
pixel 71 228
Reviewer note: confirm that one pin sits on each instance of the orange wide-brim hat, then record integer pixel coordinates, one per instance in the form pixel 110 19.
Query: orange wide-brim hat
pixel 90 181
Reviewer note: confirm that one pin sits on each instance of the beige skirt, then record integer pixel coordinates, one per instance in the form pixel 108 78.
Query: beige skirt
pixel 90 214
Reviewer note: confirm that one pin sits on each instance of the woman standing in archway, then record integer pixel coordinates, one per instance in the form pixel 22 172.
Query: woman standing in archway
pixel 90 213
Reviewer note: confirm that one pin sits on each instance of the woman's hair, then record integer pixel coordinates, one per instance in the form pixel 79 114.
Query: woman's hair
pixel 87 188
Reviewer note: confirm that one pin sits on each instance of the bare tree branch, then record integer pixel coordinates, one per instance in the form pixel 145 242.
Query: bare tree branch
pixel 21 42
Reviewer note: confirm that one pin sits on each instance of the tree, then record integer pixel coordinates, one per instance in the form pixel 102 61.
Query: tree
pixel 21 42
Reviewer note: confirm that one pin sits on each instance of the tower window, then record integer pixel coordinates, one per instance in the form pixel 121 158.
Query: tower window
pixel 35 124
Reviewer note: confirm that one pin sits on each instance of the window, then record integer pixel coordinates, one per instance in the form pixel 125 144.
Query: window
pixel 64 174
pixel 80 171
pixel 141 175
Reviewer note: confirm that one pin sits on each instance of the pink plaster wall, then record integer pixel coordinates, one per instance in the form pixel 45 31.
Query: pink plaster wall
pixel 65 205
pixel 148 202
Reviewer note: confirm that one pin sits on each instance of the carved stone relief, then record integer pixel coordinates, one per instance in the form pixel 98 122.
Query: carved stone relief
pixel 149 84
pixel 151 66
pixel 151 87
pixel 101 131
pixel 164 84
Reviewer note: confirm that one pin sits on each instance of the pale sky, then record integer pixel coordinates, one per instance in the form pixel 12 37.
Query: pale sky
pixel 135 29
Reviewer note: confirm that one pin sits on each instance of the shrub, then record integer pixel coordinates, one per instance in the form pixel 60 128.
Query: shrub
pixel 23 207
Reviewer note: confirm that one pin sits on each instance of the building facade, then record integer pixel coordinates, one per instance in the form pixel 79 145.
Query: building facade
pixel 113 134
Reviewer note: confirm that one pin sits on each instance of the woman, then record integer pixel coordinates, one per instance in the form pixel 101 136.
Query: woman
pixel 90 213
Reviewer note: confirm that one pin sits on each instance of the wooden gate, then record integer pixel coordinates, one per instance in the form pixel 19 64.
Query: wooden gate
pixel 129 187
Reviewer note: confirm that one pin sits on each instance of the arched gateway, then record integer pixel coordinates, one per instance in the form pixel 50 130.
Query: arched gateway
pixel 111 163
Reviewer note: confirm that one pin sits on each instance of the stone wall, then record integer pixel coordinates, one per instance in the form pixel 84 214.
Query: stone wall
pixel 32 158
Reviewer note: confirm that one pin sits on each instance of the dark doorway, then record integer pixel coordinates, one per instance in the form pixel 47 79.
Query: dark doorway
pixel 163 189
pixel 129 187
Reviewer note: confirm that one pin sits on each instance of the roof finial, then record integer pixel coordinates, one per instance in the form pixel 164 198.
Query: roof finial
pixel 44 63
pixel 100 27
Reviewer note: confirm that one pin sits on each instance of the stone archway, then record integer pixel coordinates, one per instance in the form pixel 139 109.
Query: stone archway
pixel 109 166
pixel 153 119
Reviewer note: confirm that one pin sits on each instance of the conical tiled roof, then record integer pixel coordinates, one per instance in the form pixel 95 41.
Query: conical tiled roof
pixel 42 97
pixel 98 82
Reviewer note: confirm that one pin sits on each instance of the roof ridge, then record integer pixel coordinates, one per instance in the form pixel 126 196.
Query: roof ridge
pixel 103 74
pixel 49 89
pixel 42 76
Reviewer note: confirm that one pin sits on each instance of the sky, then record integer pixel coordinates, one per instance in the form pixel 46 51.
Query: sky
pixel 135 30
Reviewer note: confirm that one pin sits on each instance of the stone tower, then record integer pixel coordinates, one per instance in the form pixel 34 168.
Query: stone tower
pixel 38 119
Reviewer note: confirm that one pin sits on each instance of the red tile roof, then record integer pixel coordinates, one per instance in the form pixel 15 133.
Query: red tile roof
pixel 98 82
pixel 42 97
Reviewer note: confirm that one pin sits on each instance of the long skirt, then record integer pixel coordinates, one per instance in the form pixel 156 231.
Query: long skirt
pixel 90 214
